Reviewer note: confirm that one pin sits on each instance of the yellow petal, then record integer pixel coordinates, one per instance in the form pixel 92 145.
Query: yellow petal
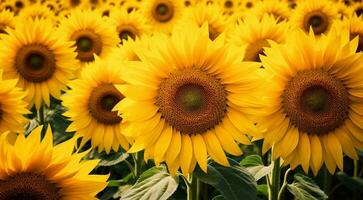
pixel 200 151
pixel 214 148
pixel 186 153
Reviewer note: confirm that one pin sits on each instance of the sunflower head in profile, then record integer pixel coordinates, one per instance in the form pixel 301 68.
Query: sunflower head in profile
pixel 253 35
pixel 162 14
pixel 313 102
pixel 318 15
pixel 35 169
pixel 12 106
pixel 129 26
pixel 276 8
pixel 40 58
pixel 90 101
pixel 185 102
pixel 6 20
pixel 92 35
pixel 212 14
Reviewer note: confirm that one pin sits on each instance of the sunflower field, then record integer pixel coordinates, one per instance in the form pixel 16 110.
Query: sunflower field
pixel 181 99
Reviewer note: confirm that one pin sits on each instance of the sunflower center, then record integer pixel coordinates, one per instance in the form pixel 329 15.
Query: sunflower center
pixel 190 97
pixel 192 101
pixel 126 32
pixel 163 11
pixel 75 2
pixel 254 50
pixel 87 44
pixel 28 186
pixel 318 21
pixel 315 99
pixel 315 102
pixel 101 101
pixel 228 4
pixel 35 63
pixel 359 11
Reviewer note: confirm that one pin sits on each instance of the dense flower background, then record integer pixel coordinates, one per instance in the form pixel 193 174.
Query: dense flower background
pixel 181 99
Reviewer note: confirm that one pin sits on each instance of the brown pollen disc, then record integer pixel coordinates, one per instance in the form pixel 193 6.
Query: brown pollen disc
pixel 28 186
pixel 319 22
pixel 101 102
pixel 88 43
pixel 35 63
pixel 192 101
pixel 126 32
pixel 315 102
pixel 254 50
pixel 163 10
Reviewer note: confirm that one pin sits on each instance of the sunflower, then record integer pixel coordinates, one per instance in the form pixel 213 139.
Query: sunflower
pixel 34 169
pixel 71 3
pixel 36 11
pixel 184 102
pixel 357 8
pixel 313 102
pixel 354 25
pixel 129 48
pixel 319 15
pixel 40 58
pixel 130 6
pixel 254 35
pixel 6 20
pixel 212 14
pixel 128 25
pixel 162 14
pixel 277 8
pixel 90 102
pixel 343 10
pixel 91 34
pixel 248 4
pixel 12 106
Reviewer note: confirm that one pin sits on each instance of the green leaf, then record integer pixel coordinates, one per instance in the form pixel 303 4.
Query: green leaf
pixel 232 182
pixel 115 161
pixel 252 160
pixel 255 166
pixel 219 197
pixel 352 183
pixel 260 171
pixel 304 188
pixel 154 184
pixel 262 190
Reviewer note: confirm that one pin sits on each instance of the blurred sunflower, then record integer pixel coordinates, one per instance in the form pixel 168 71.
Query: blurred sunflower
pixel 184 102
pixel 357 8
pixel 90 102
pixel 36 11
pixel 91 34
pixel 355 26
pixel 12 106
pixel 277 8
pixel 162 14
pixel 71 3
pixel 212 14
pixel 131 6
pixel 6 20
pixel 319 15
pixel 313 102
pixel 40 58
pixel 129 48
pixel 34 169
pixel 254 35
pixel 128 25
pixel 343 10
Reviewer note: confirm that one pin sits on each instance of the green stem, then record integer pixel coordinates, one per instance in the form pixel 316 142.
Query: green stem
pixel 194 188
pixel 139 161
pixel 275 182
pixel 41 119
pixel 355 168
pixel 284 184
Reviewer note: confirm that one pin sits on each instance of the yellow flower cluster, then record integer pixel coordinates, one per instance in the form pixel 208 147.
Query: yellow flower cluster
pixel 181 80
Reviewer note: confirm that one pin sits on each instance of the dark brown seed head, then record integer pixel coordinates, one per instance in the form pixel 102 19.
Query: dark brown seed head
pixel 163 11
pixel 192 101
pixel 29 186
pixel 318 21
pixel 87 43
pixel 35 63
pixel 101 102
pixel 315 102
